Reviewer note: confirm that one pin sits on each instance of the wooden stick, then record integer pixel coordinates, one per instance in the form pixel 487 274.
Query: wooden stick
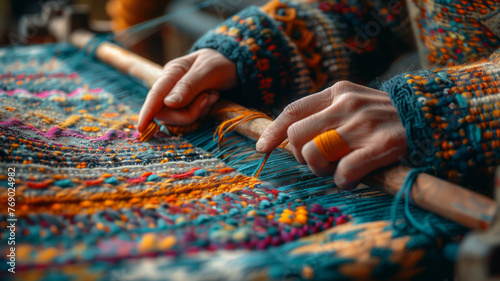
pixel 449 200
pixel 121 59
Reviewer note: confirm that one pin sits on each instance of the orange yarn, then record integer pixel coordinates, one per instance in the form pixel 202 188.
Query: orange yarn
pixel 305 44
pixel 331 145
pixel 151 129
pixel 180 130
pixel 230 125
pixel 257 173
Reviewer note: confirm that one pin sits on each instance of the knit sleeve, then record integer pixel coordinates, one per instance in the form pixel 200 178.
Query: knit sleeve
pixel 287 49
pixel 452 118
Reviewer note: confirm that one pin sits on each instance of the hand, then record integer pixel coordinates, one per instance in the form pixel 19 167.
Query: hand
pixel 365 118
pixel 178 96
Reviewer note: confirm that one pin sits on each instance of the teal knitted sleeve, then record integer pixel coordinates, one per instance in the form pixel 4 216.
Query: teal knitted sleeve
pixel 452 119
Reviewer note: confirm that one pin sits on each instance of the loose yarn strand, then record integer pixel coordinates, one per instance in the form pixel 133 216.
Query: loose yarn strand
pixel 406 190
pixel 261 165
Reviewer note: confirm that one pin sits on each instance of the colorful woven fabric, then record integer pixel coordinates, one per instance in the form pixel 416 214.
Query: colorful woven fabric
pixel 93 203
pixel 458 31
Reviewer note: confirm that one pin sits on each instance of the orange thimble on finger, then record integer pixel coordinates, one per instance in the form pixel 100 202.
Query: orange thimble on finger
pixel 332 145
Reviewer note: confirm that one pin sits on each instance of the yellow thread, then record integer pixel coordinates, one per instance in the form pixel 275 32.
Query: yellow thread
pixel 331 145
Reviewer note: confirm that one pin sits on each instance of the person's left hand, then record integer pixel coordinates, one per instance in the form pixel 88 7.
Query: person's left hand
pixel 365 118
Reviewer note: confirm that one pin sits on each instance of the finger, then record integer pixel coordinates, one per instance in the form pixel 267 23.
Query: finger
pixel 154 101
pixel 277 131
pixel 316 161
pixel 353 167
pixel 213 97
pixel 356 165
pixel 303 131
pixel 342 110
pixel 189 86
pixel 186 115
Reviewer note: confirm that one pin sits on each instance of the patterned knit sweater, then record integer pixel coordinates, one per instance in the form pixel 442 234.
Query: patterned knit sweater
pixel 287 49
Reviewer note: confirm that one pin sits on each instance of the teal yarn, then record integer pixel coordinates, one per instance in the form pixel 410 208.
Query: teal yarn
pixel 405 191
pixel 91 47
pixel 292 185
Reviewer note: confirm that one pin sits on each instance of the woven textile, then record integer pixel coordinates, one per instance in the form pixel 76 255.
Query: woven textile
pixel 93 203
pixel 455 32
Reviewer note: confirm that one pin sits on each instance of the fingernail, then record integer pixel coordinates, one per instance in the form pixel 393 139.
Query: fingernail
pixel 203 102
pixel 173 98
pixel 212 99
pixel 261 144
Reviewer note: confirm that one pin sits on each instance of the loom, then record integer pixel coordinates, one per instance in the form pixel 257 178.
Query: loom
pixel 321 233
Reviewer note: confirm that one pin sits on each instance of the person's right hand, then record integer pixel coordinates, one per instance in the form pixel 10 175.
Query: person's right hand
pixel 178 97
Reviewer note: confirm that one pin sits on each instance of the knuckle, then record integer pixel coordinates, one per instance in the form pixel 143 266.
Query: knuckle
pixel 350 101
pixel 170 63
pixel 375 115
pixel 185 84
pixel 272 131
pixel 366 114
pixel 292 133
pixel 292 110
pixel 342 86
pixel 177 65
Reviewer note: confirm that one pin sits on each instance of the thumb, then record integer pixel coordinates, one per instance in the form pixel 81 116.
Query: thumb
pixel 194 82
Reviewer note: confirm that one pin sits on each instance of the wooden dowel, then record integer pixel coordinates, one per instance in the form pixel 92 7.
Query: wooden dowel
pixel 123 60
pixel 449 200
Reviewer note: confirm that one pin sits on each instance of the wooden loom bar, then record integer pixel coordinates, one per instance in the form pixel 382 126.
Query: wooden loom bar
pixel 449 200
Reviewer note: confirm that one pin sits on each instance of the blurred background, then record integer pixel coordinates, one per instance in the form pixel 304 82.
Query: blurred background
pixel 25 22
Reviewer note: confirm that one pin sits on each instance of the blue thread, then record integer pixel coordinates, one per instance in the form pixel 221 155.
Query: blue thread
pixel 91 47
pixel 406 190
